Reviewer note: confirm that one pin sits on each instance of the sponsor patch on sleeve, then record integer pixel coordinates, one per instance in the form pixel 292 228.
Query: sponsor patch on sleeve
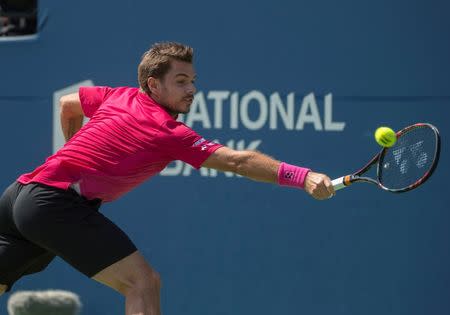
pixel 198 142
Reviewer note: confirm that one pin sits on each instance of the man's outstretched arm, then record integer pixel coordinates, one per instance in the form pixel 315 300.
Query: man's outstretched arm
pixel 71 114
pixel 260 167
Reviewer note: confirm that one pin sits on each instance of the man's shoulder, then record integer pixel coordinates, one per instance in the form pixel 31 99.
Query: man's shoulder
pixel 176 128
pixel 120 90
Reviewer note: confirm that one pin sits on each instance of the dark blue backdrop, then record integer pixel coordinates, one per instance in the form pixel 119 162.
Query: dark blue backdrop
pixel 226 245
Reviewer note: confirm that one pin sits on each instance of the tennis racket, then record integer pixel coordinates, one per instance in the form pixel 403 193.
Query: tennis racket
pixel 404 166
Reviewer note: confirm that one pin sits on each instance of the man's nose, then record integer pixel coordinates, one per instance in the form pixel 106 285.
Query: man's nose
pixel 191 89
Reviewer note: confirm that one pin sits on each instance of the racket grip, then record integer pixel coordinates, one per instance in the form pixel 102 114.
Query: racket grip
pixel 339 183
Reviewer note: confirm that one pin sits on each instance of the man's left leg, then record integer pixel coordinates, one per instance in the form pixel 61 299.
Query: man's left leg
pixel 18 256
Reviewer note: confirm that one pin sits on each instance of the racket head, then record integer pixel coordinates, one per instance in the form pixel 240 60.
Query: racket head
pixel 411 161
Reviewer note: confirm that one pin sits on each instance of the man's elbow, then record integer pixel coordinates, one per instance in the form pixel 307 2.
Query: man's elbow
pixel 69 108
pixel 65 110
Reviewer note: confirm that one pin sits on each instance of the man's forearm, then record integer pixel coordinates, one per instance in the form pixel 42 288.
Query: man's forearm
pixel 251 164
pixel 71 115
pixel 70 126
pixel 257 166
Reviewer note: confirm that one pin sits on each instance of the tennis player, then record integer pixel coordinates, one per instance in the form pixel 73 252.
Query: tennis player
pixel 132 135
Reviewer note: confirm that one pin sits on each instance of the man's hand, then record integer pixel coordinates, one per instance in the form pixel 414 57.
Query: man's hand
pixel 319 186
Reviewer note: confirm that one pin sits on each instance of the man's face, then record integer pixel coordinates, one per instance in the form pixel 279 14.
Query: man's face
pixel 176 90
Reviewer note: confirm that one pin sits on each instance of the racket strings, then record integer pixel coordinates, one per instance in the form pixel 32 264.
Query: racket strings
pixel 410 159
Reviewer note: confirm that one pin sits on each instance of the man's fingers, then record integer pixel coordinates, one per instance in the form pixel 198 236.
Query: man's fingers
pixel 326 188
pixel 329 187
pixel 320 186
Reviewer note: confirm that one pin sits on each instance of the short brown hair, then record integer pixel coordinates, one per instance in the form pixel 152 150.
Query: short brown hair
pixel 156 61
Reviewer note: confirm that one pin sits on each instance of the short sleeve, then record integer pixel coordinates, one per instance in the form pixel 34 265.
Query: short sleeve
pixel 91 97
pixel 186 145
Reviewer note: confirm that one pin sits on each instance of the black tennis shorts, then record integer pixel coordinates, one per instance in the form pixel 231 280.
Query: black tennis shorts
pixel 38 222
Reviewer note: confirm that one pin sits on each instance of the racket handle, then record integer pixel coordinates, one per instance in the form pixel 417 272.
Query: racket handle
pixel 340 183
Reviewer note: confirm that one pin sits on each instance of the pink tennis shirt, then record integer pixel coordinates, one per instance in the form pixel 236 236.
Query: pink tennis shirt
pixel 128 139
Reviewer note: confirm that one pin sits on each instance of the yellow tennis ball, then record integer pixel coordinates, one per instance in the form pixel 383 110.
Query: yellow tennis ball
pixel 385 137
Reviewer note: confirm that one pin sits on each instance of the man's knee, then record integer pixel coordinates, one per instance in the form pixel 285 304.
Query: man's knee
pixel 132 273
pixel 142 283
pixel 3 288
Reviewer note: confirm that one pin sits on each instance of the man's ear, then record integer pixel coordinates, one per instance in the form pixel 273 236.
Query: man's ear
pixel 154 85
